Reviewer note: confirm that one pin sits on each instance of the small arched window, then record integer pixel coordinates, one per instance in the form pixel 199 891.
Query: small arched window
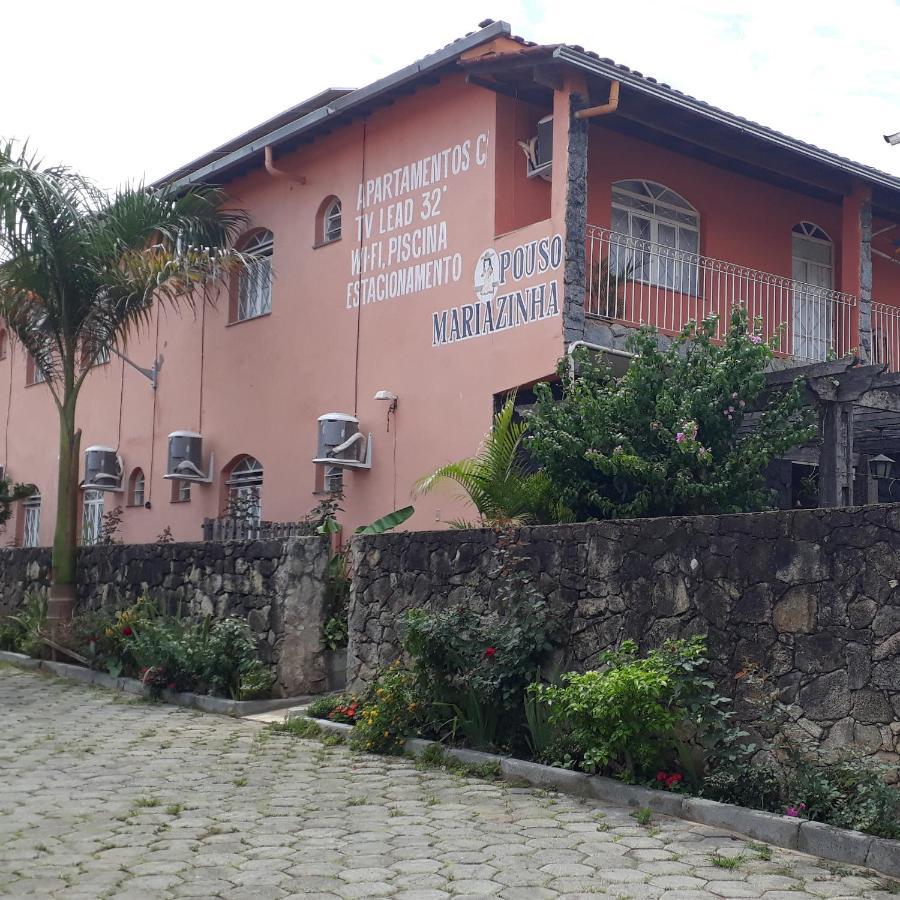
pixel 253 296
pixel 31 521
pixel 3 343
pixel 329 223
pixel 136 488
pixel 244 481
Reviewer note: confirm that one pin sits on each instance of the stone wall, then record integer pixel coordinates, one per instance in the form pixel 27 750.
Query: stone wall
pixel 802 606
pixel 277 586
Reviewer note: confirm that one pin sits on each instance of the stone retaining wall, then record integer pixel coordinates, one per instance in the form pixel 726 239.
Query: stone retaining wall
pixel 277 586
pixel 800 606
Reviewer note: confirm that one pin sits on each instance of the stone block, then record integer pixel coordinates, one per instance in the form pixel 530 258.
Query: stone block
pixel 612 791
pixel 795 612
pixel 884 856
pixel 783 831
pixel 834 843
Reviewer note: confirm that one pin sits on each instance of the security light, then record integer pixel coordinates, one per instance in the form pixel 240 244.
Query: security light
pixel 893 139
pixel 880 466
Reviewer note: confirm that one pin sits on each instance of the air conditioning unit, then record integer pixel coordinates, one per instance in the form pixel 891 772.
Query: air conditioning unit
pixel 102 469
pixel 538 150
pixel 341 443
pixel 185 461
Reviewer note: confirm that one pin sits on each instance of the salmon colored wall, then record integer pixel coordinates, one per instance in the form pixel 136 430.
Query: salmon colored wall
pixel 265 381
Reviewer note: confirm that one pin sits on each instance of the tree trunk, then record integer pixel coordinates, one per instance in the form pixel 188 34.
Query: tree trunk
pixel 61 604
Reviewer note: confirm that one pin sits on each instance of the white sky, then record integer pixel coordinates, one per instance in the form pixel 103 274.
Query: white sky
pixel 124 90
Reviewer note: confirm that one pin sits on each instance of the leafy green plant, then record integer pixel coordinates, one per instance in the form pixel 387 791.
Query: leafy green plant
pixel 666 438
pixel 389 712
pixel 636 712
pixel 498 481
pixel 335 632
pixel 298 727
pixel 758 785
pixel 387 522
pixel 26 630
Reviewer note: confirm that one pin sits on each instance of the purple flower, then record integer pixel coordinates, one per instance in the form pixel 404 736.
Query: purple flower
pixel 755 339
pixel 792 811
pixel 679 438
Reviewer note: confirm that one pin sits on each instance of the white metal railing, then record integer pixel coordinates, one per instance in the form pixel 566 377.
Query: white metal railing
pixel 886 336
pixel 637 282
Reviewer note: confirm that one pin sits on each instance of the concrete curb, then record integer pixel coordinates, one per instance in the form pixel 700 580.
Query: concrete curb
pixel 222 706
pixel 824 841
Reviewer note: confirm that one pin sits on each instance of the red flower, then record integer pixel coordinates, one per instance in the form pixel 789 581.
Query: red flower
pixel 490 652
pixel 661 776
pixel 673 779
pixel 127 632
pixel 171 685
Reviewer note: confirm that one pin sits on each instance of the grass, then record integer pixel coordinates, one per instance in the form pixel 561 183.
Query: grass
pixel 763 851
pixel 240 782
pixel 720 861
pixel 145 802
pixel 299 727
pixel 643 816
pixel 357 801
pixel 175 809
pixel 888 885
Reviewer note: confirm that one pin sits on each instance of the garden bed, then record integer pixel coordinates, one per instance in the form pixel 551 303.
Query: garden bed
pixel 790 832
pixel 220 705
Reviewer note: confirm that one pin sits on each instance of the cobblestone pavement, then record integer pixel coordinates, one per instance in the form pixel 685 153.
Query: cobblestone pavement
pixel 106 797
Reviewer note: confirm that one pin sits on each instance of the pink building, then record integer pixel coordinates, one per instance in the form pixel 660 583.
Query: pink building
pixel 442 236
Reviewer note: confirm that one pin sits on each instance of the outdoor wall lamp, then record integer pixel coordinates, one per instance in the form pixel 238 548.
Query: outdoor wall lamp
pixel 880 466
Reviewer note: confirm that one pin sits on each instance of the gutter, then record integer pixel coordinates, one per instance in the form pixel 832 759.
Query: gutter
pixel 615 73
pixel 344 104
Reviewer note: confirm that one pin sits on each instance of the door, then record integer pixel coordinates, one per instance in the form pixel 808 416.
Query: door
pixel 813 272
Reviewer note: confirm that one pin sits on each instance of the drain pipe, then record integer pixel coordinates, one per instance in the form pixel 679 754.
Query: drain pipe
pixel 606 109
pixel 598 347
pixel 279 173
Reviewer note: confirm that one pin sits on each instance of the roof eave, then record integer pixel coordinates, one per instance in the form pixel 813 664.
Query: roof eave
pixel 442 57
pixel 596 66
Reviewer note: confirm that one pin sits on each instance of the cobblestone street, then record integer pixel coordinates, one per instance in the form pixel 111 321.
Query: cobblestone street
pixel 107 797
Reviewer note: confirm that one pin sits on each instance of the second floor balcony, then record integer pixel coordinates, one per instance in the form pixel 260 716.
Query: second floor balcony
pixel 633 282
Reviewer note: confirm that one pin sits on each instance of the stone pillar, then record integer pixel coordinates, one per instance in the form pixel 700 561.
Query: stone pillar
pixel 569 198
pixel 836 454
pixel 856 265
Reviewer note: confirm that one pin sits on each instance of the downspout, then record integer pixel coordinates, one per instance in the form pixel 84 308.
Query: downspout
pixel 606 109
pixel 598 347
pixel 279 173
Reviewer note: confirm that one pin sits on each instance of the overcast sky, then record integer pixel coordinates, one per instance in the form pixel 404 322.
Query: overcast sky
pixel 122 90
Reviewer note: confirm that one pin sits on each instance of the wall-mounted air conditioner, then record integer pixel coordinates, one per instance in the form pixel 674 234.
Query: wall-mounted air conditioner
pixel 185 461
pixel 342 444
pixel 102 469
pixel 538 150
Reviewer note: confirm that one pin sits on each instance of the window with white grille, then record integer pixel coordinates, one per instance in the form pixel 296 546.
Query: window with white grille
pixel 245 490
pixel 181 492
pixel 31 521
pixel 664 233
pixel 255 283
pixel 136 488
pixel 91 516
pixel 331 221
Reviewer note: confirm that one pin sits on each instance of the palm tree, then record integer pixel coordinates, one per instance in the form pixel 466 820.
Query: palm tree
pixel 80 270
pixel 497 480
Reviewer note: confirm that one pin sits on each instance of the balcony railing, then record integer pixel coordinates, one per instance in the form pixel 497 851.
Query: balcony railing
pixel 636 282
pixel 886 336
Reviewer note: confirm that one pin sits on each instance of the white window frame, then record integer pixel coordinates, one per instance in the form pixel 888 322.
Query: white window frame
pixel 91 516
pixel 245 484
pixel 811 295
pixel 254 295
pixel 182 492
pixel 138 488
pixel 31 521
pixel 652 259
pixel 332 221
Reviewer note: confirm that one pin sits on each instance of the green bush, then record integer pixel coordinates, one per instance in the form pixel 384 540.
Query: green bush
pixel 758 786
pixel 474 667
pixel 24 631
pixel 389 713
pixel 638 714
pixel 667 438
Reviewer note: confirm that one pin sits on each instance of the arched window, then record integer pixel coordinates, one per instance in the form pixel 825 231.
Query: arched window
pixel 244 481
pixel 31 521
pixel 328 221
pixel 91 516
pixel 3 343
pixel 136 488
pixel 812 268
pixel 664 233
pixel 253 296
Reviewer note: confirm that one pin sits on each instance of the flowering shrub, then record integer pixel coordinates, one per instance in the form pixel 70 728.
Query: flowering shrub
pixel 669 780
pixel 389 712
pixel 666 438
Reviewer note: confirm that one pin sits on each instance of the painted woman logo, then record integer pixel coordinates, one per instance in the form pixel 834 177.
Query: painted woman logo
pixel 487 275
pixel 493 311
